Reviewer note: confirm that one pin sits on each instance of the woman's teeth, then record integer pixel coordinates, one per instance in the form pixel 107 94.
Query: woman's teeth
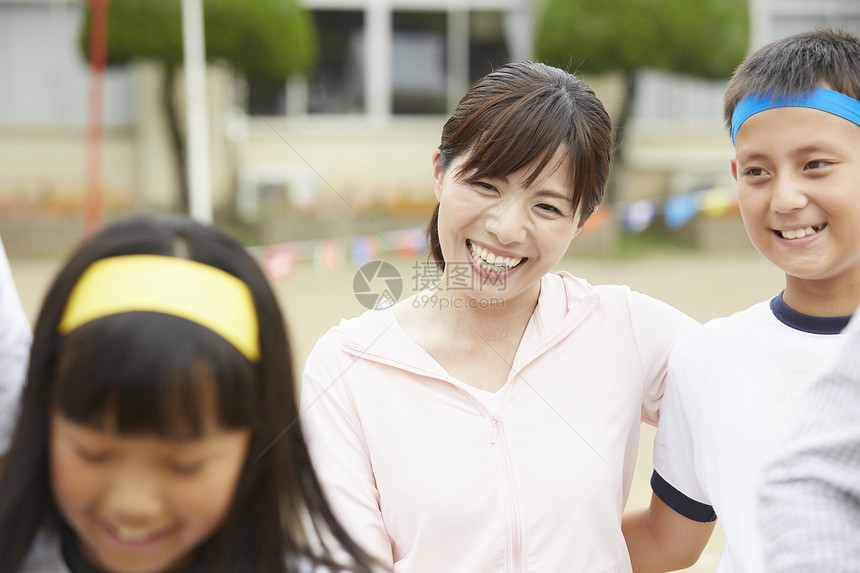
pixel 492 262
pixel 800 233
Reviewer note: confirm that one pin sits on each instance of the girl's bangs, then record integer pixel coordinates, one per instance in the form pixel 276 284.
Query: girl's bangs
pixel 151 373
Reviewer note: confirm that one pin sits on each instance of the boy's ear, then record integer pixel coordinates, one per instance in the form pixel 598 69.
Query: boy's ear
pixel 733 165
pixel 438 174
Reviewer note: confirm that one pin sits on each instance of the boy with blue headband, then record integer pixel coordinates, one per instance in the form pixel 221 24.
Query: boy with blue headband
pixel 733 385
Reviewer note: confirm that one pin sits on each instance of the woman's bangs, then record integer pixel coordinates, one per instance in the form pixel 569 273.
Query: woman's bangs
pixel 498 153
pixel 153 374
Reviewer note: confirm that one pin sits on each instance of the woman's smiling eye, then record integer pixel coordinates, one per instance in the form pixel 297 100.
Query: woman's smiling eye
pixel 548 208
pixel 484 186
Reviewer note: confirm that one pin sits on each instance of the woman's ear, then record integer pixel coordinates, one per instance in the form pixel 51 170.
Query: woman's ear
pixel 580 224
pixel 438 174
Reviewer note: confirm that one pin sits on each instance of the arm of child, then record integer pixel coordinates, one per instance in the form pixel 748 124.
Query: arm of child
pixel 673 531
pixel 661 539
pixel 344 470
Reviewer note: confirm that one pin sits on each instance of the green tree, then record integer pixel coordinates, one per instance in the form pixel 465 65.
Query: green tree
pixel 705 38
pixel 263 38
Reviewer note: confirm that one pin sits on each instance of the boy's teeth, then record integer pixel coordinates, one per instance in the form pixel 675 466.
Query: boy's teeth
pixel 798 233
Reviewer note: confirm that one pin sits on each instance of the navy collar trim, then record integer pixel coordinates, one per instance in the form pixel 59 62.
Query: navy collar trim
pixel 805 322
pixel 72 555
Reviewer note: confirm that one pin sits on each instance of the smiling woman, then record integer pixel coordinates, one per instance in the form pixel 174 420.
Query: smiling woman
pixel 496 428
pixel 509 231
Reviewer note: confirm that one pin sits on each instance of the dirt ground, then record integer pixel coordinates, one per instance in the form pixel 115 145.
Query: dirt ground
pixel 704 286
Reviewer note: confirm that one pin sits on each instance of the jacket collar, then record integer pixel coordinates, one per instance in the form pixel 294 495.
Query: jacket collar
pixel 564 302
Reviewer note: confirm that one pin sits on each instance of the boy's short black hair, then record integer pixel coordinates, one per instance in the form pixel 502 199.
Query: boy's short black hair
pixel 824 57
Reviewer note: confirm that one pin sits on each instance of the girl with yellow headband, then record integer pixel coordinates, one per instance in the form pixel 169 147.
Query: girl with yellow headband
pixel 157 429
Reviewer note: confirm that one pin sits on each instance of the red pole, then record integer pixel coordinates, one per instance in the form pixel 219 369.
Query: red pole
pixel 98 61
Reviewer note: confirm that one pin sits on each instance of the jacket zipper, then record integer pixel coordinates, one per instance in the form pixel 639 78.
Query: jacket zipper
pixel 510 494
pixel 495 432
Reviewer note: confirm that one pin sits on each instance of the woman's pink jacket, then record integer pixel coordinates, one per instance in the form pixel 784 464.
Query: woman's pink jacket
pixel 428 480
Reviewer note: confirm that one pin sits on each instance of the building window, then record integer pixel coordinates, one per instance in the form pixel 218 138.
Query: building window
pixel 337 83
pixel 488 49
pixel 265 96
pixel 46 81
pixel 419 81
pixel 422 73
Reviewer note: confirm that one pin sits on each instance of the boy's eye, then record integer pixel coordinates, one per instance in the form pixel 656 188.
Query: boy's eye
pixel 816 164
pixel 754 172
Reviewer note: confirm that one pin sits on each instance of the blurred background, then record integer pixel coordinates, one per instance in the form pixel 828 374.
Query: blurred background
pixel 322 114
pixel 319 118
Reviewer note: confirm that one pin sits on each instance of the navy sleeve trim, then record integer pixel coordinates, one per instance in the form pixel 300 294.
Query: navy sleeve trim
pixel 689 508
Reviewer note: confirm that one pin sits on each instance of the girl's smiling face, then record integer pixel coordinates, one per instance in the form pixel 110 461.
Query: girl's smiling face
pixel 143 503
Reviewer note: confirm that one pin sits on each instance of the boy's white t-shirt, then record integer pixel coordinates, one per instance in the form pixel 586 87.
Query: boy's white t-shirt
pixel 731 391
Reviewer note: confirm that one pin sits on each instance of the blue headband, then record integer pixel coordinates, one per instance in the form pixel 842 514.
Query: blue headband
pixel 822 99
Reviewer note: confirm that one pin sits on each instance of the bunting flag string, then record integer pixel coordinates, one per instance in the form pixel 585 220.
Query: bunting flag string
pixel 329 255
pixel 678 210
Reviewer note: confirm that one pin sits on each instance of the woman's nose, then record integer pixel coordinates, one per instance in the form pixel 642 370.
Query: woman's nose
pixel 507 223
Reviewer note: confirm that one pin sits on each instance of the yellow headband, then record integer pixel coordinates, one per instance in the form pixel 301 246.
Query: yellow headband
pixel 197 292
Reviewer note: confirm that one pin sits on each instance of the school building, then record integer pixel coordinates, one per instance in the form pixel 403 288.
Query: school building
pixel 356 134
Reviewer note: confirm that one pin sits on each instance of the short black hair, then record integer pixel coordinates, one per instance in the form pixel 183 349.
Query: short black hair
pixel 797 64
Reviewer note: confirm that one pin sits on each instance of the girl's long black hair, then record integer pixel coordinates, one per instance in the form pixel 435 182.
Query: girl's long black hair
pixel 142 370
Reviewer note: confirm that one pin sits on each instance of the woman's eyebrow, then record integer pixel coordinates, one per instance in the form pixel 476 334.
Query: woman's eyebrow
pixel 552 194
